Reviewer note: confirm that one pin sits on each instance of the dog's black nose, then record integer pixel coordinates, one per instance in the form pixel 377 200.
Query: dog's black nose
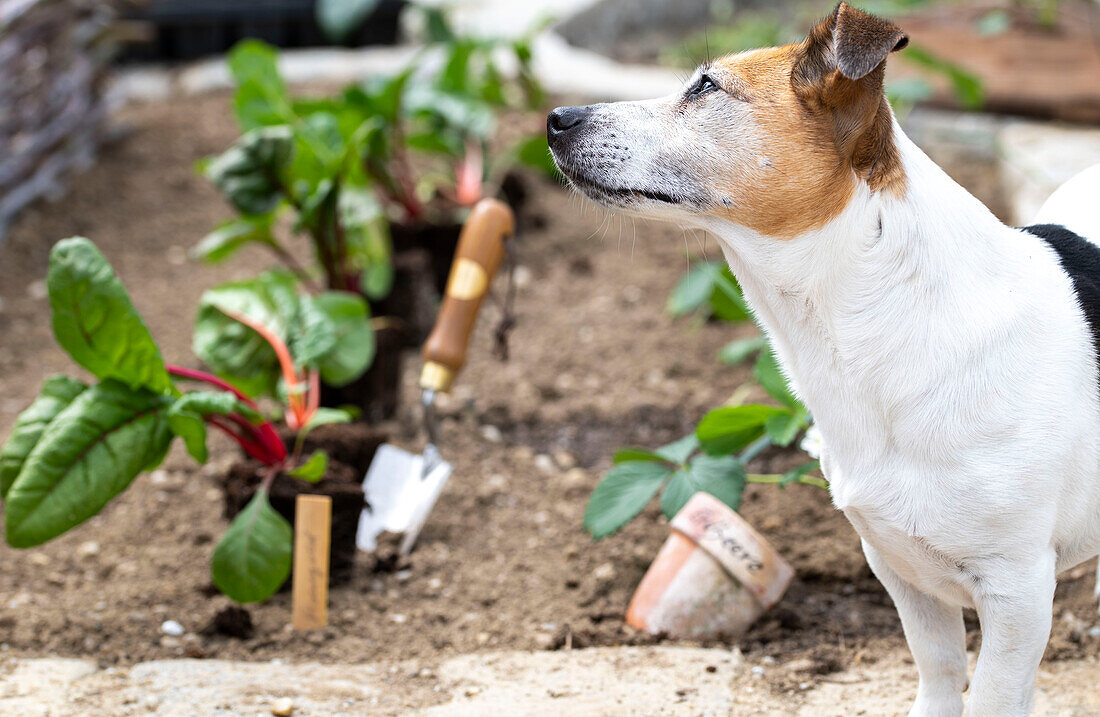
pixel 564 119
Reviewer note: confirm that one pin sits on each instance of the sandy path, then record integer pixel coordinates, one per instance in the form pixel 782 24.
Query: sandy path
pixel 580 683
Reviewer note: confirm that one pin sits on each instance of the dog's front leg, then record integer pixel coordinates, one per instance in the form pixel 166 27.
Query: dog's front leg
pixel 936 636
pixel 1014 607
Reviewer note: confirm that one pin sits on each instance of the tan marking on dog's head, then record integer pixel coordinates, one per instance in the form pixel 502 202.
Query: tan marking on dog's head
pixel 823 118
pixel 775 139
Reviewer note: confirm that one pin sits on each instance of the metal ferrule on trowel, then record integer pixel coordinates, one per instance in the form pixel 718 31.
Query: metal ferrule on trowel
pixel 401 487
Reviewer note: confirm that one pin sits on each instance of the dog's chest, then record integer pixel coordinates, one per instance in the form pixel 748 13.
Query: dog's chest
pixel 915 559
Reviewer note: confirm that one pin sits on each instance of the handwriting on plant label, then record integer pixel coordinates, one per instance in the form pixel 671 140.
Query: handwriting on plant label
pixel 723 535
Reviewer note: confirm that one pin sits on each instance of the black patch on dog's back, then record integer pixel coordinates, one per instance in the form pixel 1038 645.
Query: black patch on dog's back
pixel 1081 260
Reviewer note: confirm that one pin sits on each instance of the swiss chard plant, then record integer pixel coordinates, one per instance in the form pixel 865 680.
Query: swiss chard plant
pixel 81 444
pixel 414 147
pixel 265 337
pixel 714 458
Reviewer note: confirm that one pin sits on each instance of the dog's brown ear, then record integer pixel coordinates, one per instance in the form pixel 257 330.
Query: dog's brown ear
pixel 850 41
pixel 863 41
pixel 838 75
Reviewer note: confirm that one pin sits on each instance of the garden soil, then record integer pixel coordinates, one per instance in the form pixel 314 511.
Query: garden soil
pixel 502 565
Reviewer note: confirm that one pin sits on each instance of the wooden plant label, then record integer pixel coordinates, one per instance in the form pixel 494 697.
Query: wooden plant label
pixel 312 521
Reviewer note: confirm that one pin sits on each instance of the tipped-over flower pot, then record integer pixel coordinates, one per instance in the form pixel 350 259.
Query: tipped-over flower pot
pixel 714 576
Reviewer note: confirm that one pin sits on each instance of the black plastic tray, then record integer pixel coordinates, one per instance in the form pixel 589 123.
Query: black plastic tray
pixel 190 29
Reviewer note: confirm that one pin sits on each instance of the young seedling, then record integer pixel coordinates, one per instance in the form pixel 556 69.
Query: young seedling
pixel 78 445
pixel 713 458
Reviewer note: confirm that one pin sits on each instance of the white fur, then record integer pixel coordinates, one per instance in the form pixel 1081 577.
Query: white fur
pixel 951 372
pixel 1074 205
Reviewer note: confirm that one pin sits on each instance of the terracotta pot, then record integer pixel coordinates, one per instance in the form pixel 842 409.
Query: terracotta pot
pixel 714 576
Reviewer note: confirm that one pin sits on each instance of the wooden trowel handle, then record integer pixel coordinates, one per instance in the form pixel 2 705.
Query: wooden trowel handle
pixel 479 253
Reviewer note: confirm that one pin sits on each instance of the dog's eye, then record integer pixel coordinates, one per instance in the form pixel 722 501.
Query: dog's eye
pixel 703 86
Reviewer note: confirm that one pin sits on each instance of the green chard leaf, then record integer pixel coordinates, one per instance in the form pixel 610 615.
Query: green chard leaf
pixel 352 348
pixel 249 173
pixel 252 561
pixel 621 495
pixel 186 417
pixel 95 321
pixel 229 237
pixel 325 416
pixel 57 393
pixel 261 99
pixel 89 453
pixel 231 349
pixel 313 470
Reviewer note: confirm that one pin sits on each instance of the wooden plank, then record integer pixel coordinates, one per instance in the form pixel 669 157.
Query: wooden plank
pixel 312 532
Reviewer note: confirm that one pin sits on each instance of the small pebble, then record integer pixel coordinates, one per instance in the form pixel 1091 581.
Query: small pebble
pixel 399 618
pixel 565 460
pixel 545 463
pixel 282 707
pixel 522 276
pixel 758 671
pixel 575 478
pixel 88 549
pixel 473 691
pixel 491 433
pixel 171 627
pixel 38 289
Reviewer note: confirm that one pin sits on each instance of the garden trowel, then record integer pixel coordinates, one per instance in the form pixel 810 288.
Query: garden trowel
pixel 401 487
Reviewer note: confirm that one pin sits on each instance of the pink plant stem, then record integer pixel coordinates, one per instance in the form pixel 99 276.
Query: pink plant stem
pixel 264 434
pixel 196 375
pixel 248 445
pixel 296 418
pixel 264 437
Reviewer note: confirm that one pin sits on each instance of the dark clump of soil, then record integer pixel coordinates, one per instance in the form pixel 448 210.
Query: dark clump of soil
pixel 232 621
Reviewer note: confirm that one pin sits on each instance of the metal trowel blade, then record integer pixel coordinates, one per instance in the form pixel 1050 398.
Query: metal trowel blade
pixel 400 496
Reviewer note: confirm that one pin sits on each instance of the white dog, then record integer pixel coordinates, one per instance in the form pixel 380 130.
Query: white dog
pixel 950 361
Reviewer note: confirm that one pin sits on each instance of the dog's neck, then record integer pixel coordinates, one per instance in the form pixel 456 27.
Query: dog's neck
pixel 855 307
